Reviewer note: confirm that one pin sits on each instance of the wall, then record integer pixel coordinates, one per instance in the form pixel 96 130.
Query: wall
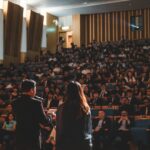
pixel 112 26
pixel 76 25
pixel 34 33
pixel 65 21
pixel 52 33
pixel 1 36
pixel 13 15
pixel 24 36
pixel 69 39
pixel 44 40
pixel 23 42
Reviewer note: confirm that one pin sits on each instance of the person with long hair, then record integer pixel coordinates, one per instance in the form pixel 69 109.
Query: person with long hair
pixel 73 121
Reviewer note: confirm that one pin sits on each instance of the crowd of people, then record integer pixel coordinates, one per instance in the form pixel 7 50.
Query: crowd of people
pixel 111 73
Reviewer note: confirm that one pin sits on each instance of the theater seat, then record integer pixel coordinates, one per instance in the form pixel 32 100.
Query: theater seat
pixel 142 123
pixel 109 112
pixel 94 112
pixel 139 133
pixel 140 136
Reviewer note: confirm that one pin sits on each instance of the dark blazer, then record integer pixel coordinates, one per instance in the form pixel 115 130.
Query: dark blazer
pixel 127 107
pixel 128 125
pixel 29 115
pixel 143 110
pixel 114 101
pixel 106 124
pixel 95 102
pixel 73 133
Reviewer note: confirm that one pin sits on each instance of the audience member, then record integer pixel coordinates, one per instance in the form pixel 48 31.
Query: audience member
pixel 102 132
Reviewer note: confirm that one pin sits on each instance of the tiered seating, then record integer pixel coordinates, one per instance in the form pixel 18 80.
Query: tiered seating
pixel 115 77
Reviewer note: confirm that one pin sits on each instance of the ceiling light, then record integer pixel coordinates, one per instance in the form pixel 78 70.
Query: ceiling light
pixel 65 28
pixel 85 3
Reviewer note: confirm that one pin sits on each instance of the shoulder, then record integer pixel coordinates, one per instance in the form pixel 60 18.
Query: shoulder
pixel 15 101
pixel 36 101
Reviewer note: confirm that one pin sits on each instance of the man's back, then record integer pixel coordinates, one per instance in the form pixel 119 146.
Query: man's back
pixel 29 114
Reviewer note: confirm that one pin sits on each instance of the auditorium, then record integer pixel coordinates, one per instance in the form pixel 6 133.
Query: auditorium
pixel 75 75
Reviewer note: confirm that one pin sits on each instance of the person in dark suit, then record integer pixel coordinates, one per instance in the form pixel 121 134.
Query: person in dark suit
pixel 102 131
pixel 73 122
pixel 125 106
pixel 95 101
pixel 29 115
pixel 145 108
pixel 50 101
pixel 123 130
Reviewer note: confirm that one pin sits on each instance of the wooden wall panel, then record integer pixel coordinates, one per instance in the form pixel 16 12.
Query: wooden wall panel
pixel 13 17
pixel 52 33
pixel 112 26
pixel 34 33
pixel 76 22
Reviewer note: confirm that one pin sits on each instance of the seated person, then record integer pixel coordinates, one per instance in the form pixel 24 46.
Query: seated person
pixel 52 139
pixel 51 101
pixel 95 101
pixel 102 131
pixel 125 106
pixel 48 132
pixel 145 108
pixel 8 109
pixel 123 131
pixel 2 120
pixel 9 127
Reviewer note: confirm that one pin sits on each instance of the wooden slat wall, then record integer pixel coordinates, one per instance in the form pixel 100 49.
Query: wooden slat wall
pixel 34 33
pixel 113 25
pixel 13 15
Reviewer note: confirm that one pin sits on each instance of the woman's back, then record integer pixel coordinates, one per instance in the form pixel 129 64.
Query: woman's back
pixel 73 126
pixel 73 132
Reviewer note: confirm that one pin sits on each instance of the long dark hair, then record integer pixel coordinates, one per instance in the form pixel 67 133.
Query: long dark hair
pixel 75 102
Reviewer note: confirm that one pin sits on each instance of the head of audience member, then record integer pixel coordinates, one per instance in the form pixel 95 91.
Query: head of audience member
pixel 124 115
pixel 95 95
pixel 124 101
pixel 146 101
pixel 101 114
pixel 1 101
pixel 148 92
pixel 10 117
pixel 60 98
pixel 28 87
pixel 86 89
pixel 14 93
pixel 9 108
pixel 46 90
pixel 129 93
pixel 50 95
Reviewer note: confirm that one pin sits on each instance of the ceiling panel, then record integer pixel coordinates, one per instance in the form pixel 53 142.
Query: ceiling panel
pixel 69 7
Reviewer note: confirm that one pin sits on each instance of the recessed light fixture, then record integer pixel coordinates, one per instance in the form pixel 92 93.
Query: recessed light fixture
pixel 85 3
